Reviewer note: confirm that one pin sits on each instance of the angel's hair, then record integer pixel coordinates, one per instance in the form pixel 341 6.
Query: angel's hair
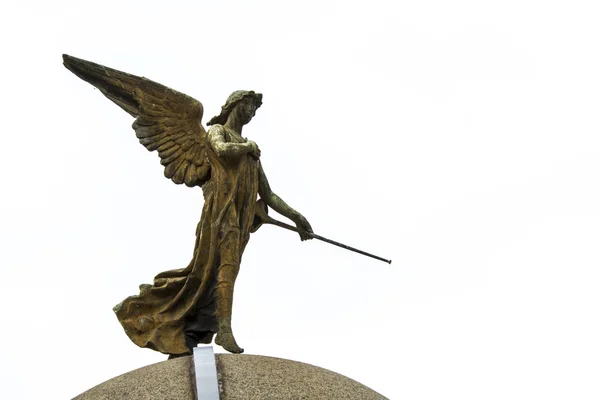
pixel 234 99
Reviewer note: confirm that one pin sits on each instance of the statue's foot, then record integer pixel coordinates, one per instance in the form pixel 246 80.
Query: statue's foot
pixel 227 341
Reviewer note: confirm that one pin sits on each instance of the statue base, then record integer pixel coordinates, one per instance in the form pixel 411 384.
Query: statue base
pixel 240 376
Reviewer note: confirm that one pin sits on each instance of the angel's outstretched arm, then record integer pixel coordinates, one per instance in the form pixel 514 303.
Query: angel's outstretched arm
pixel 277 204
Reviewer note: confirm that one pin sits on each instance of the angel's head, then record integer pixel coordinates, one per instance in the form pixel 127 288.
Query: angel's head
pixel 243 102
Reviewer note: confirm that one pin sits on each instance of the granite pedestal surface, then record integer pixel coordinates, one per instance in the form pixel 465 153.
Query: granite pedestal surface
pixel 246 377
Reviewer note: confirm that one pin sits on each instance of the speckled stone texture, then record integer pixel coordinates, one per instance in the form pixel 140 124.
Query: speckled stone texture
pixel 266 378
pixel 246 377
pixel 173 380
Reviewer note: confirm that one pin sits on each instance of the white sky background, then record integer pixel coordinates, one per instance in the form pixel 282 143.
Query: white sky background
pixel 459 139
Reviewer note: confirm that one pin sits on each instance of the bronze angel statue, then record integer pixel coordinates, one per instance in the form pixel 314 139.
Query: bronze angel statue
pixel 187 306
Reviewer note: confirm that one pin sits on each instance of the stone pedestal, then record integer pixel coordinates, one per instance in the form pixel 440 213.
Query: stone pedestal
pixel 241 377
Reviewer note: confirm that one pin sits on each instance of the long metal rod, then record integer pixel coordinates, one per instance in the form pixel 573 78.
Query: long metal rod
pixel 269 220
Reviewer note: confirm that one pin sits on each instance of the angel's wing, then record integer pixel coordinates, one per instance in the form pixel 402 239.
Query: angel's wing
pixel 166 120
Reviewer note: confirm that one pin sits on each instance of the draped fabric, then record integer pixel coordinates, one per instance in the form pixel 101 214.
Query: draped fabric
pixel 186 299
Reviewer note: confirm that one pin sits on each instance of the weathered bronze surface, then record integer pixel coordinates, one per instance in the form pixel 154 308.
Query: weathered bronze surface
pixel 187 306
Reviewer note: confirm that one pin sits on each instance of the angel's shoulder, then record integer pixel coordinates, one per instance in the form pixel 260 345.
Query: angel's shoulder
pixel 216 131
pixel 216 128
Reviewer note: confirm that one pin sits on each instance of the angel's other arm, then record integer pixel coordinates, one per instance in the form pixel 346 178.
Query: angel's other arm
pixel 276 203
pixel 216 138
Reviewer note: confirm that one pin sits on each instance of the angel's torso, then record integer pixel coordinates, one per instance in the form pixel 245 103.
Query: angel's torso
pixel 233 185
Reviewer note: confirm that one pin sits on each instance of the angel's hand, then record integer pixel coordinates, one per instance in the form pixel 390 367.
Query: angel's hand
pixel 303 224
pixel 254 151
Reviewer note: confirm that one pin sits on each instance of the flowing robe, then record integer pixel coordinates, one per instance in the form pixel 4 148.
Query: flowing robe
pixel 188 299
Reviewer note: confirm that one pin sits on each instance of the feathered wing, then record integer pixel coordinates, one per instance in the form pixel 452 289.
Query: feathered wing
pixel 166 120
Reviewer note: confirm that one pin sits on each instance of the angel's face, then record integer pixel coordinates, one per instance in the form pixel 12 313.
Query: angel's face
pixel 247 109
